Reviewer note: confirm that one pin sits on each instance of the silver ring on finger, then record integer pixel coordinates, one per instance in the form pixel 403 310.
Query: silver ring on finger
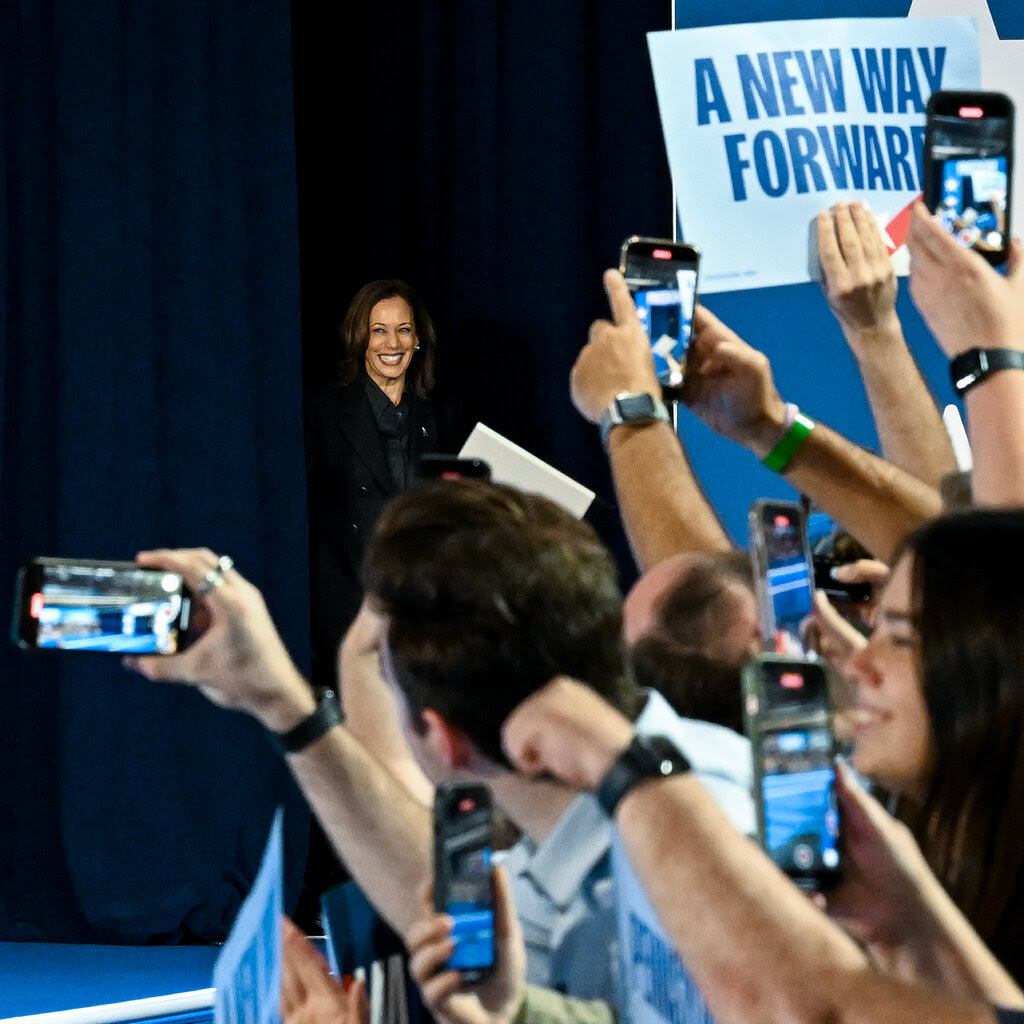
pixel 215 577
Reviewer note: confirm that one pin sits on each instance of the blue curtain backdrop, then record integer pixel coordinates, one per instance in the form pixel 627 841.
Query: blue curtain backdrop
pixel 158 224
pixel 151 368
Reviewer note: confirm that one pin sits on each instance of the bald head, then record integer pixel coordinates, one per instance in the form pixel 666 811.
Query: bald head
pixel 690 623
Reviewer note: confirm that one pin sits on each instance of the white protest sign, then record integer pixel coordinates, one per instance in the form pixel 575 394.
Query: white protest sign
pixel 767 124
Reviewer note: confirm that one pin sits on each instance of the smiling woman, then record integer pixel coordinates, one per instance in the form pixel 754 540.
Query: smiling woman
pixel 364 433
pixel 940 702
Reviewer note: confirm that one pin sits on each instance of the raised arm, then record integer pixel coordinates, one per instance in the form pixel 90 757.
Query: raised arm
pixel 757 947
pixel 729 386
pixel 969 305
pixel 663 509
pixel 381 832
pixel 892 903
pixel 860 287
pixel 371 711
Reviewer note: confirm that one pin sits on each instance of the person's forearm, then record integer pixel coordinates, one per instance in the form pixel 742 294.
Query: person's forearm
pixel 940 948
pixel 377 828
pixel 876 501
pixel 663 509
pixel 907 418
pixel 373 717
pixel 995 422
pixel 757 947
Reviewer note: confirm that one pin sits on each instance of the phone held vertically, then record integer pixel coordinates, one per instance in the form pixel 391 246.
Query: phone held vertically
pixel 662 278
pixel 783 572
pixel 968 168
pixel 118 607
pixel 788 715
pixel 464 875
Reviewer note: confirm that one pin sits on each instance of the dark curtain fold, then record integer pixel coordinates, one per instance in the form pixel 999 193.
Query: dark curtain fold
pixel 151 396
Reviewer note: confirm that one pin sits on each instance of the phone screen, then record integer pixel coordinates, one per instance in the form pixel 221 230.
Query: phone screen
pixel 798 802
pixel 463 882
pixel 783 572
pixel 968 168
pixel 100 606
pixel 662 278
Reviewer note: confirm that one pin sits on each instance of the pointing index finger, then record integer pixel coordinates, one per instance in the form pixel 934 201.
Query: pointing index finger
pixel 619 299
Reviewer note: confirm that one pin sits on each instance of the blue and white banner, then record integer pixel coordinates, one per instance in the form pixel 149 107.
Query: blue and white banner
pixel 767 124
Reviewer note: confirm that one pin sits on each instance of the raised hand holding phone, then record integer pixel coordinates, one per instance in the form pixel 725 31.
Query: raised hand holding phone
pixel 662 278
pixel 788 714
pixel 968 168
pixel 464 874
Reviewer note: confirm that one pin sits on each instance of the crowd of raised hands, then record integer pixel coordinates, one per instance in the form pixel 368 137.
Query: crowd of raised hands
pixel 925 926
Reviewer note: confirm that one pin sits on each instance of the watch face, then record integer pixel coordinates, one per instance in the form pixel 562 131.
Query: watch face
pixel 637 407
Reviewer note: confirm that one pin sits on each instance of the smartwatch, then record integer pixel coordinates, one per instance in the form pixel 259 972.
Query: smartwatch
pixel 973 366
pixel 326 716
pixel 646 757
pixel 638 409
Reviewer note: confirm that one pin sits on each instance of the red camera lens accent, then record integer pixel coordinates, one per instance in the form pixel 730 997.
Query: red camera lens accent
pixel 35 606
pixel 467 804
pixel 791 681
pixel 782 521
pixel 661 254
pixel 971 112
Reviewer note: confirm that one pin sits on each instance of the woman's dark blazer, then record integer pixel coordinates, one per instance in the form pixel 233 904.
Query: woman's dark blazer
pixel 348 484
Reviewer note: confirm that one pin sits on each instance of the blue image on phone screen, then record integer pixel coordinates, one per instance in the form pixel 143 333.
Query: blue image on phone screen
pixel 471 906
pixel 666 313
pixel 134 611
pixel 801 817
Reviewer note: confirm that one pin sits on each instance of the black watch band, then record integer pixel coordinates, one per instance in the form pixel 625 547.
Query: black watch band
pixel 311 728
pixel 646 757
pixel 973 366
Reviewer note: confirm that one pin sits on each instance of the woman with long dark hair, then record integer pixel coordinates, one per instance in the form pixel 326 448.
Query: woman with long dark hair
pixel 939 720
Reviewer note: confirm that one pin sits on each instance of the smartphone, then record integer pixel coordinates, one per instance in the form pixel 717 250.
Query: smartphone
pixel 662 278
pixel 464 874
pixel 64 604
pixel 832 546
pixel 783 572
pixel 451 467
pixel 788 715
pixel 968 168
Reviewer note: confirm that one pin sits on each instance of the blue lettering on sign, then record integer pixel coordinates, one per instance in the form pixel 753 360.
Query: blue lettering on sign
pixel 831 158
pixel 803 147
pixel 757 86
pixel 710 97
pixel 737 165
pixel 897 89
pixel 877 177
pixel 765 142
pixel 773 78
pixel 819 77
pixel 846 156
pixel 657 974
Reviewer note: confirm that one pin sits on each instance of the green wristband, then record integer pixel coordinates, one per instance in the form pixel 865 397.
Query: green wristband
pixel 789 444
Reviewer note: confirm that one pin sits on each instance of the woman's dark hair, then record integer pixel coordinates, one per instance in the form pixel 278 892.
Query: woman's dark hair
pixel 968 605
pixel 355 334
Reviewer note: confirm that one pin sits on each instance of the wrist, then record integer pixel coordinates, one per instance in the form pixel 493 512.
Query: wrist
pixel 875 341
pixel 766 432
pixel 290 702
